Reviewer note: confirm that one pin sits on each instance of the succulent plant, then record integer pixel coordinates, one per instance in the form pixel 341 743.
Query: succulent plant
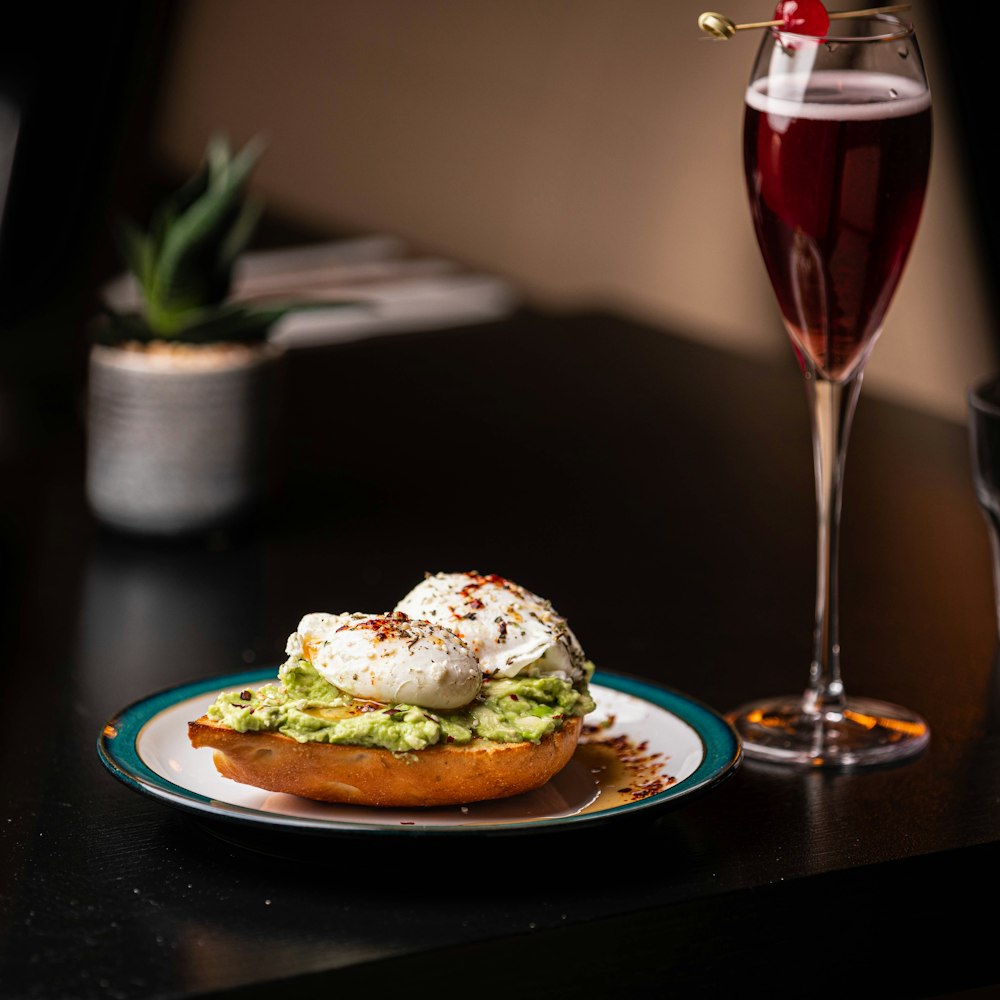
pixel 184 263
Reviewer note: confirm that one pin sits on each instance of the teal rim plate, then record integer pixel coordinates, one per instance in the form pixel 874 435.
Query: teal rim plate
pixel 645 747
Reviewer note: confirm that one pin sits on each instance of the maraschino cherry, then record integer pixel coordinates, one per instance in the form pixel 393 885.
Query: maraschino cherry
pixel 803 17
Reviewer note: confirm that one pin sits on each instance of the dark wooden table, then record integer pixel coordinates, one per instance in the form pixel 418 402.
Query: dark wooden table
pixel 661 494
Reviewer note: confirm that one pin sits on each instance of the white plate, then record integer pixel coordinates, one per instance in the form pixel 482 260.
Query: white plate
pixel 645 746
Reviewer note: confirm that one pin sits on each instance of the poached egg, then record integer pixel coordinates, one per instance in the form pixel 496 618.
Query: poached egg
pixel 507 627
pixel 390 658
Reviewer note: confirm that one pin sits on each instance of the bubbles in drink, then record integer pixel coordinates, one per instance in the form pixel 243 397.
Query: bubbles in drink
pixel 833 96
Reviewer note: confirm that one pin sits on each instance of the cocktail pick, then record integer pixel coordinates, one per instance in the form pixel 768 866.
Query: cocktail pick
pixel 721 27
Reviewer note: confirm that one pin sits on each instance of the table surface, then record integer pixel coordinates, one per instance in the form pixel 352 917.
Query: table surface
pixel 660 493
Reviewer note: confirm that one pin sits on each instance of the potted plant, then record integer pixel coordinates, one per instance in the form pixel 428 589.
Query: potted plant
pixel 182 384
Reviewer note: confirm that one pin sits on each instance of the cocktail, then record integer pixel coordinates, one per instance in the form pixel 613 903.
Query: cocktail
pixel 836 142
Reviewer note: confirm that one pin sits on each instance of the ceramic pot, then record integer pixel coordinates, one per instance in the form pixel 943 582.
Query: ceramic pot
pixel 178 436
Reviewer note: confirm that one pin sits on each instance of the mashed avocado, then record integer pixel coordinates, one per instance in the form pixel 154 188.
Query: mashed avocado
pixel 306 707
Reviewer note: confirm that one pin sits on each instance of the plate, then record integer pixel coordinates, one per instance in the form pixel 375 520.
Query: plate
pixel 644 747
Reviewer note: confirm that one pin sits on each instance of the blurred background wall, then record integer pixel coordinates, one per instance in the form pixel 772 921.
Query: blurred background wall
pixel 589 150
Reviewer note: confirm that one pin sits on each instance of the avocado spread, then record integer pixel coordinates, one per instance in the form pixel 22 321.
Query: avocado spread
pixel 303 705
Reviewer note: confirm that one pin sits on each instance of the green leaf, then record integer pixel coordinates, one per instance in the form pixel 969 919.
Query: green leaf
pixel 236 169
pixel 187 265
pixel 248 323
pixel 176 204
pixel 195 260
pixel 240 233
pixel 234 322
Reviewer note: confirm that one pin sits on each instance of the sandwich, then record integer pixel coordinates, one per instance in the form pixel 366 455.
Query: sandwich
pixel 471 688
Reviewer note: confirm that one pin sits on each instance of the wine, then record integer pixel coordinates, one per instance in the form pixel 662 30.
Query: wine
pixel 836 145
pixel 836 167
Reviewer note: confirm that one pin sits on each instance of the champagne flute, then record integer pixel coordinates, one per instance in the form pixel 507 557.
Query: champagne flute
pixel 837 138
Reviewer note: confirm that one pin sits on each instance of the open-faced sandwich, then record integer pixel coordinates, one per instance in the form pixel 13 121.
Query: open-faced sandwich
pixel 471 688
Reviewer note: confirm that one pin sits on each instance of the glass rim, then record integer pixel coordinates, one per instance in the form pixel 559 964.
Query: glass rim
pixel 902 29
pixel 976 398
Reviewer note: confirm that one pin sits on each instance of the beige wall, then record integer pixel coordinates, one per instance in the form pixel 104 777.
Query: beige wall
pixel 588 149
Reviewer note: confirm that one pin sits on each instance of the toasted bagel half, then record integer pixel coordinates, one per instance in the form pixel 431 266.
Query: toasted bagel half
pixel 445 774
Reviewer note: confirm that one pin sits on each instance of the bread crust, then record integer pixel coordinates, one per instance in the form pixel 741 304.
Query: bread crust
pixel 439 775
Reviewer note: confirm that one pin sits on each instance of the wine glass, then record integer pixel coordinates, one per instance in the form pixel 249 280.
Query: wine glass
pixel 837 139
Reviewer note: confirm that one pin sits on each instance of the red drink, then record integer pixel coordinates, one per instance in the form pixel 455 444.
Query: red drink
pixel 837 147
pixel 836 176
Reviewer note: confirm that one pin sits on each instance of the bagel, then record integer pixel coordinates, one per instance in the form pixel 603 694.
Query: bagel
pixel 479 695
pixel 438 775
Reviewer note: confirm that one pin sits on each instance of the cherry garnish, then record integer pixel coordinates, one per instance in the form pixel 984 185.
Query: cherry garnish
pixel 804 17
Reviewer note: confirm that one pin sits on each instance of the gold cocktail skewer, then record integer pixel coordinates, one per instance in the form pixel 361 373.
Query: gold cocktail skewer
pixel 721 27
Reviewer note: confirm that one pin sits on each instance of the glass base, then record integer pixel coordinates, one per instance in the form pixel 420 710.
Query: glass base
pixel 863 732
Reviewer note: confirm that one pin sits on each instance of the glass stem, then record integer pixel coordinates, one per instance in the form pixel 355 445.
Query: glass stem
pixel 832 405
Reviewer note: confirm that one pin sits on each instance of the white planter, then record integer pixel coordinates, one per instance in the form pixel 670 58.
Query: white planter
pixel 178 437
